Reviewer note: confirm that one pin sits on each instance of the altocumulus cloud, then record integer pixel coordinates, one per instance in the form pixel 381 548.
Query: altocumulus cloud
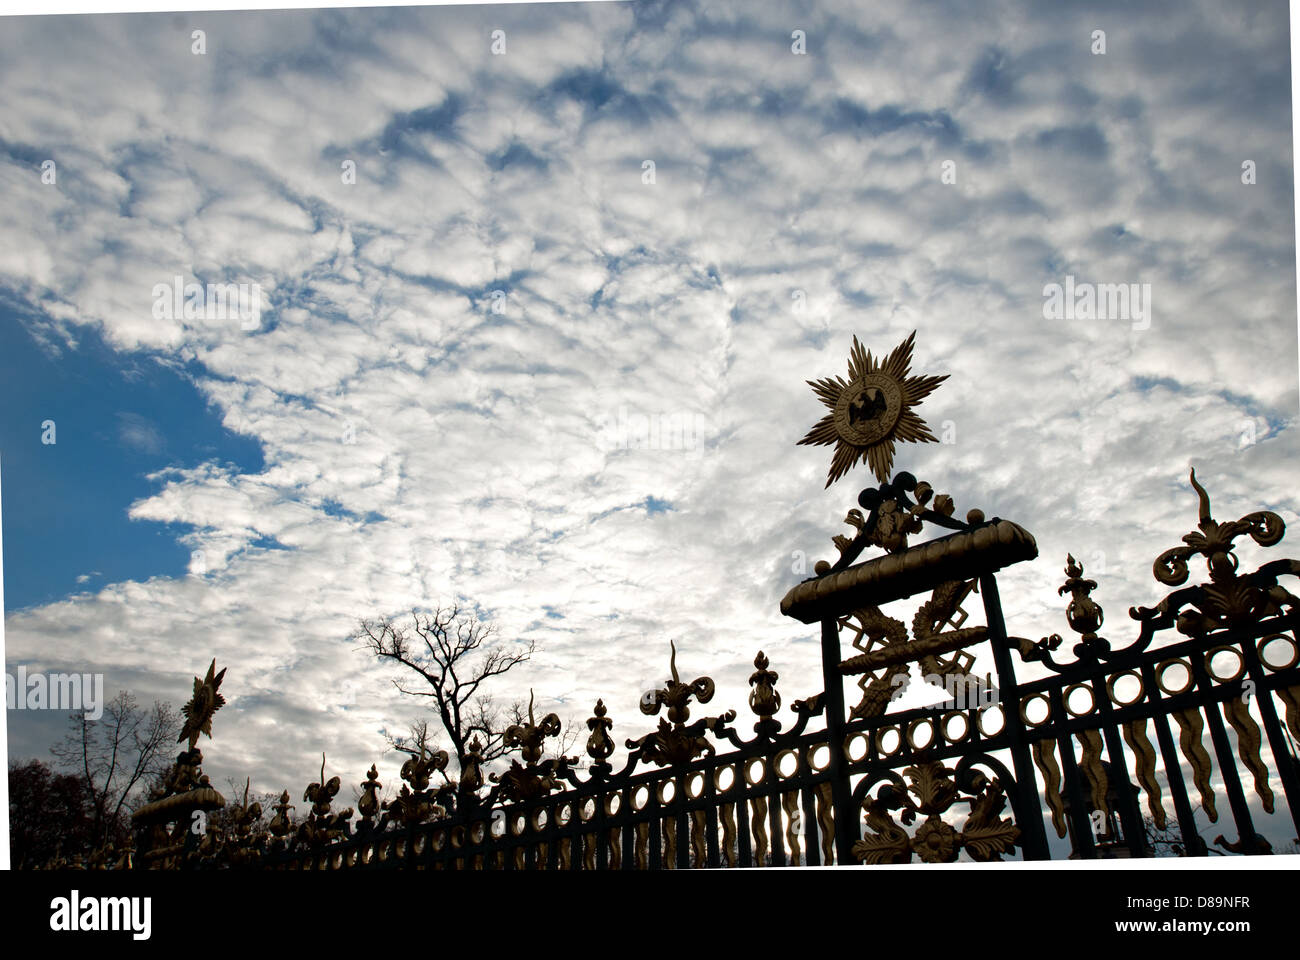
pixel 446 341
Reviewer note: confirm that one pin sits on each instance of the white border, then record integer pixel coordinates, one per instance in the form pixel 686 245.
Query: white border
pixel 44 7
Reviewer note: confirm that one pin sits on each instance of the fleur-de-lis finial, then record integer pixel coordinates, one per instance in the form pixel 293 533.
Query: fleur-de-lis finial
pixel 1215 540
pixel 529 736
pixel 280 824
pixel 676 741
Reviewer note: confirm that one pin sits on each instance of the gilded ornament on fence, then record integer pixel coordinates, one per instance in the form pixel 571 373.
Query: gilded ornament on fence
pixel 322 825
pixel 764 699
pixel 1227 600
pixel 282 823
pixel 599 745
pixel 676 741
pixel 205 702
pixel 368 805
pixel 937 632
pixel 893 516
pixel 871 410
pixel 471 768
pixel 531 779
pixel 420 767
pixel 1082 613
pixel 985 836
pixel 185 788
pixel 415 803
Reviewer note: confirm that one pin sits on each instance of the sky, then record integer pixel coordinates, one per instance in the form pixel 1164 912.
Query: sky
pixel 441 398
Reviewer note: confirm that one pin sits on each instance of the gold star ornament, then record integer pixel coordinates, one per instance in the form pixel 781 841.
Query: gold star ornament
pixel 205 702
pixel 871 410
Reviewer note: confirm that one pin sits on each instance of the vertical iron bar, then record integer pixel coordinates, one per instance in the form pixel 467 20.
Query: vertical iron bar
pixel 680 796
pixel 628 831
pixel 1030 807
pixel 1081 838
pixel 1193 845
pixel 1223 752
pixel 777 846
pixel 744 853
pixel 711 828
pixel 811 834
pixel 1130 815
pixel 1276 738
pixel 846 820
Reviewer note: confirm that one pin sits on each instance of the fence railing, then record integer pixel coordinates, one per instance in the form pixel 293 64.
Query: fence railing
pixel 1093 748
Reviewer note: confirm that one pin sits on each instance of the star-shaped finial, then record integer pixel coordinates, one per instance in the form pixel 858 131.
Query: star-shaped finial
pixel 871 410
pixel 203 704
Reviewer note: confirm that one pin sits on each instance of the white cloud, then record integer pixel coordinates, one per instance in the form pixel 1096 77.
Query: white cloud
pixel 478 436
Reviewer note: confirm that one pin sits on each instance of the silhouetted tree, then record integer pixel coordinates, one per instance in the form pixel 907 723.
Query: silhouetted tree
pixel 50 814
pixel 116 757
pixel 456 655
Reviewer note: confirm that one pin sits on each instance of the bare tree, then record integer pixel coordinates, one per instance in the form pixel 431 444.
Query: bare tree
pixel 419 741
pixel 117 756
pixel 1164 841
pixel 456 655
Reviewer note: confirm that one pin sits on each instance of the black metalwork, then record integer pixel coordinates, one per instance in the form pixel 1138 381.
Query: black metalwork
pixel 1066 745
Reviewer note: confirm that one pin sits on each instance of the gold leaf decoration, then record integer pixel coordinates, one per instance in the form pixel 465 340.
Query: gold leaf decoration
pixel 871 410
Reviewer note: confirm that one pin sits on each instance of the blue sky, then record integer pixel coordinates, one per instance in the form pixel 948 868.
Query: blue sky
pixel 395 432
pixel 117 420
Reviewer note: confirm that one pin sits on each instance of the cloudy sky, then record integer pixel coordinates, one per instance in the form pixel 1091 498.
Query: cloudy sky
pixel 395 432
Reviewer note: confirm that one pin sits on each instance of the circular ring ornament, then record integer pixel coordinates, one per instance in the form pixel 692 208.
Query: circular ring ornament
pixel 947 719
pixel 1162 668
pixel 1265 642
pixel 1209 663
pixel 1110 688
pixel 1092 699
pixel 1024 710
pixel 913 727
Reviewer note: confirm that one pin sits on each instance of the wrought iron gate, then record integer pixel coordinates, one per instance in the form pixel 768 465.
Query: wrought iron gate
pixel 983 777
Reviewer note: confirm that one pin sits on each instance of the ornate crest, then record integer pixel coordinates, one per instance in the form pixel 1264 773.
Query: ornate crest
pixel 203 704
pixel 871 410
pixel 986 834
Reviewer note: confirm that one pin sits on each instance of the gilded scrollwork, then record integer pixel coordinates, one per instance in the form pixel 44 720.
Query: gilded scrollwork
pixel 1191 728
pixel 534 777
pixel 1248 744
pixel 896 510
pixel 1135 735
pixel 1227 600
pixel 676 741
pixel 937 646
pixel 1044 753
pixel 931 790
